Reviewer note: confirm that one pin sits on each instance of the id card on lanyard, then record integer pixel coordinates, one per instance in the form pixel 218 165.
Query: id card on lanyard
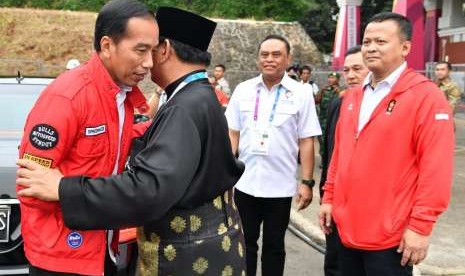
pixel 261 135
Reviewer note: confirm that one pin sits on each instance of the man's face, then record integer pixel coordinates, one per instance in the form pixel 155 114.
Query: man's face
pixel 218 72
pixel 333 80
pixel 273 58
pixel 441 72
pixel 305 75
pixel 131 58
pixel 355 70
pixel 383 47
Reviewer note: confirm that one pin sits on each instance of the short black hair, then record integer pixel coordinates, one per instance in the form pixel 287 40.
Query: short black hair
pixel 278 37
pixel 222 66
pixel 305 67
pixel 405 26
pixel 449 66
pixel 189 54
pixel 113 18
pixel 353 50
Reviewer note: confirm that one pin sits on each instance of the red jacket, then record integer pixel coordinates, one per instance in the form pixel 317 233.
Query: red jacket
pixel 397 172
pixel 73 126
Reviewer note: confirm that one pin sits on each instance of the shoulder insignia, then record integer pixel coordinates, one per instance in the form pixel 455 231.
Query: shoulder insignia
pixel 45 162
pixel 43 136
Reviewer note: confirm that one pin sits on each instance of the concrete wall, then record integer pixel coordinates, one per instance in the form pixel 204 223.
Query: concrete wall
pixel 44 45
pixel 235 44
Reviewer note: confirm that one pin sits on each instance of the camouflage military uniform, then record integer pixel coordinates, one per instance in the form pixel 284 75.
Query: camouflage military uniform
pixel 452 92
pixel 326 95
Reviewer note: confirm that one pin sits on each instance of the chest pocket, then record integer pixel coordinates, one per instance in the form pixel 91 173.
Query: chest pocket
pixel 246 108
pixel 92 146
pixel 286 112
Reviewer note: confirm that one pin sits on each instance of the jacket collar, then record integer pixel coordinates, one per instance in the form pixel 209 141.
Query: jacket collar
pixel 101 78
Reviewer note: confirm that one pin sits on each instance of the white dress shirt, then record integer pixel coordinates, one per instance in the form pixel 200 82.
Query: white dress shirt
pixel 372 97
pixel 272 175
pixel 312 87
pixel 120 97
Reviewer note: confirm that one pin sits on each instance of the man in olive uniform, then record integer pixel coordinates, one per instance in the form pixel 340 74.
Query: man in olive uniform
pixel 178 184
pixel 450 88
pixel 323 98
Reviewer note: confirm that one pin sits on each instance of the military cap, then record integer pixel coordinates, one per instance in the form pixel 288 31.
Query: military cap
pixel 334 74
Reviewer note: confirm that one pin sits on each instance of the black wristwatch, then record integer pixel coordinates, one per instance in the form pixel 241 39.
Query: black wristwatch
pixel 309 182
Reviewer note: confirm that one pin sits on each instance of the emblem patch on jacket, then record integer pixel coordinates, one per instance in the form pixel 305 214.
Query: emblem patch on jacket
pixel 390 107
pixel 45 162
pixel 43 137
pixel 94 131
pixel 74 240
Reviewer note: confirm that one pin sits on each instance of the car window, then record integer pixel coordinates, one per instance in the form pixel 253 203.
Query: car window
pixel 16 100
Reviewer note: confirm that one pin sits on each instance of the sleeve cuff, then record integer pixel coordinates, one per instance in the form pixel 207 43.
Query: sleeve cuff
pixel 422 227
pixel 70 192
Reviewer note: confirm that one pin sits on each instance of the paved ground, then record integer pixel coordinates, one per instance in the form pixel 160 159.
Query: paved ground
pixel 301 259
pixel 447 250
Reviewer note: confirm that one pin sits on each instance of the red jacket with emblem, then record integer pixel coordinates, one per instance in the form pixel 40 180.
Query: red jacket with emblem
pixel 397 172
pixel 74 126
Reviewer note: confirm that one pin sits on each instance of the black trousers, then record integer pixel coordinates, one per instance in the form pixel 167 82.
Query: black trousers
pixel 274 213
pixel 110 269
pixel 355 262
pixel 331 265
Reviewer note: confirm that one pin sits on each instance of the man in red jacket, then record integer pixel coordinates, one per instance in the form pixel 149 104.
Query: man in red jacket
pixel 82 124
pixel 391 170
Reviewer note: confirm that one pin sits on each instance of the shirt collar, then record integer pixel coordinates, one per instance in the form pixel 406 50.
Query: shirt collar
pixel 99 75
pixel 125 89
pixel 446 82
pixel 389 80
pixel 286 82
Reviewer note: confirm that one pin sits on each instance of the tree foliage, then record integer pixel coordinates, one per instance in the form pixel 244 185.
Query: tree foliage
pixel 89 5
pixel 319 17
pixel 372 7
pixel 281 10
pixel 320 23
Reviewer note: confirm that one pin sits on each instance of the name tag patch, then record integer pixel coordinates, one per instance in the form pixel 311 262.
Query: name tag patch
pixel 74 240
pixel 43 137
pixel 39 160
pixel 94 131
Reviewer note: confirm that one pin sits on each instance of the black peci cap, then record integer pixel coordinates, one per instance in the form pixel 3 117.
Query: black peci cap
pixel 186 27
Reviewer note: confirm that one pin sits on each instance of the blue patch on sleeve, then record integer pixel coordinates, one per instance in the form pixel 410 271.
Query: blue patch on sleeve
pixel 74 240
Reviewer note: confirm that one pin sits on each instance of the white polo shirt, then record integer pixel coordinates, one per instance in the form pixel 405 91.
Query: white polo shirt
pixel 272 175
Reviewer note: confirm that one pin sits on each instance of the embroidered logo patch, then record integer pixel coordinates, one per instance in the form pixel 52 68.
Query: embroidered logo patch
pixel 94 131
pixel 45 162
pixel 74 240
pixel 43 137
pixel 390 107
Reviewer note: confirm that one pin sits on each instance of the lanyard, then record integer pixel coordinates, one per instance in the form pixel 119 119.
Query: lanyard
pixel 273 110
pixel 191 78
